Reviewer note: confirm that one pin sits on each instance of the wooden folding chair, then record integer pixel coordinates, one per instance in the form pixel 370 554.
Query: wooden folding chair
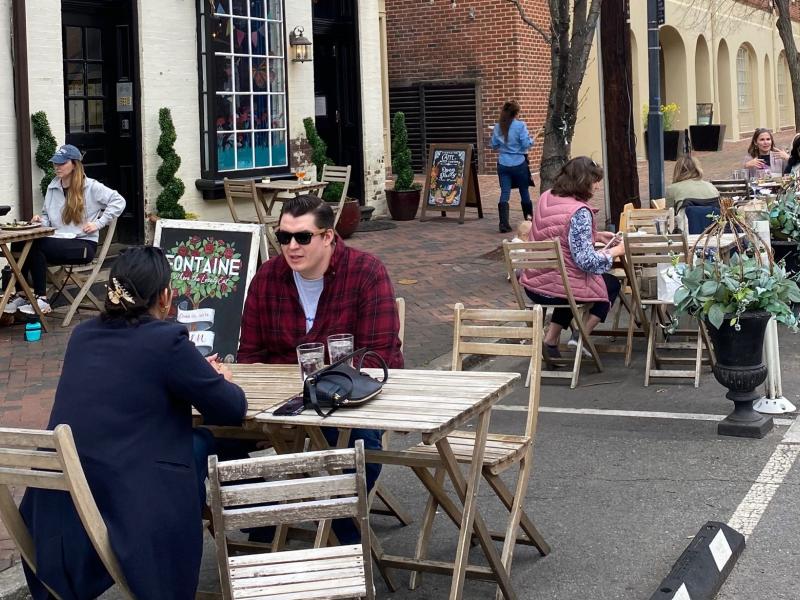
pixel 244 190
pixel 732 188
pixel 644 219
pixel 334 174
pixel 48 460
pixel 84 276
pixel 320 572
pixel 547 255
pixel 476 331
pixel 643 254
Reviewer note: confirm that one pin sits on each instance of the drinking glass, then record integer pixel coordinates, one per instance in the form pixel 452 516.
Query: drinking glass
pixel 300 173
pixel 311 358
pixel 339 346
pixel 661 225
pixel 740 174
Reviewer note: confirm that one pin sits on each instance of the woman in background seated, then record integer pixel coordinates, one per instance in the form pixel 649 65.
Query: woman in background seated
pixel 127 388
pixel 792 165
pixel 77 207
pixel 687 182
pixel 563 213
pixel 759 154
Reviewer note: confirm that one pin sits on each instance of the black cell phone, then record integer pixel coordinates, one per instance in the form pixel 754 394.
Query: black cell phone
pixel 292 407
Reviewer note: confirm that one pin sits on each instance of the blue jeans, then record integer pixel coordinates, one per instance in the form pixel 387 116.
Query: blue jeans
pixel 514 177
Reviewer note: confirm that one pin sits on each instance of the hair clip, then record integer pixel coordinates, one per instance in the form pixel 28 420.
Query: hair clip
pixel 119 293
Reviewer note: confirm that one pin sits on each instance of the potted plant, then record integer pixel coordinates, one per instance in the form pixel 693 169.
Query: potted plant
pixel 784 225
pixel 705 135
pixel 403 199
pixel 351 213
pixel 736 300
pixel 674 139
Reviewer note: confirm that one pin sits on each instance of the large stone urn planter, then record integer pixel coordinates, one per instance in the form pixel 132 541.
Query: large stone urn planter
pixel 741 369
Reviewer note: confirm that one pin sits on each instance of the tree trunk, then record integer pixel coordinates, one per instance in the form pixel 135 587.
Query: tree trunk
pixel 621 172
pixel 570 43
pixel 792 59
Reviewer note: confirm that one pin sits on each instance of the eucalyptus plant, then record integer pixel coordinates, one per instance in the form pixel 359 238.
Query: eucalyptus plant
pixel 784 216
pixel 716 290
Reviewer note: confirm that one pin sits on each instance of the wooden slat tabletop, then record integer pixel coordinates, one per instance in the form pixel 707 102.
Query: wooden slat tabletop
pixel 23 235
pixel 289 185
pixel 727 241
pixel 427 402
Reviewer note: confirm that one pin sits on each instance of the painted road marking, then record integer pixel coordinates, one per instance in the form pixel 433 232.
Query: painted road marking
pixel 647 414
pixel 755 503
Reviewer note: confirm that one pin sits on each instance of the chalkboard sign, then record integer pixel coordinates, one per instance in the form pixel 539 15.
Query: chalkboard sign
pixel 450 181
pixel 212 266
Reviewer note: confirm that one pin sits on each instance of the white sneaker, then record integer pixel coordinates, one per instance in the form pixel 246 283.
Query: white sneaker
pixel 573 343
pixel 44 306
pixel 13 305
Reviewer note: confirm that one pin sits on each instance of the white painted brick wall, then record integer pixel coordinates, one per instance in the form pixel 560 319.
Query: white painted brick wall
pixel 372 105
pixel 168 47
pixel 45 75
pixel 9 186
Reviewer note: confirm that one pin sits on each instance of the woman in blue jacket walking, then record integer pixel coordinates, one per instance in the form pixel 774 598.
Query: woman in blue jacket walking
pixel 512 141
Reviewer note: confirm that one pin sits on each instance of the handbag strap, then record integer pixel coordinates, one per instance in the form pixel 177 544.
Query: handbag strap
pixel 380 360
pixel 311 384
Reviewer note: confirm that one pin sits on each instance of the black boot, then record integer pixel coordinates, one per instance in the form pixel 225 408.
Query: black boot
pixel 527 210
pixel 502 211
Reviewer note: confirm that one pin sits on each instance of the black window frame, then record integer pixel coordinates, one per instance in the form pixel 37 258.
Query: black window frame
pixel 206 80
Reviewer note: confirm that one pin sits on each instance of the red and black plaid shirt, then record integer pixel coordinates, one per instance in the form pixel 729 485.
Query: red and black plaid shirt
pixel 357 298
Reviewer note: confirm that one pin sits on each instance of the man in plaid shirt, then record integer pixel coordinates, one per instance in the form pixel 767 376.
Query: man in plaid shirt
pixel 319 287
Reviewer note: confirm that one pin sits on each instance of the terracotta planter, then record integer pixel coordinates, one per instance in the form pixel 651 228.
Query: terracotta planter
pixel 403 205
pixel 349 219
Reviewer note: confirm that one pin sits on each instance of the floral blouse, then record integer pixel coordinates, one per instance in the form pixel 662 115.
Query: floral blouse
pixel 581 244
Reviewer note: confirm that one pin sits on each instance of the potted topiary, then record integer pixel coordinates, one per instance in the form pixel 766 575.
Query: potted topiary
pixel 351 212
pixel 784 225
pixel 736 300
pixel 403 199
pixel 674 139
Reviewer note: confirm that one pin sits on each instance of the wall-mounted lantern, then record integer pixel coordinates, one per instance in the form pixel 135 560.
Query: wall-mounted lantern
pixel 301 45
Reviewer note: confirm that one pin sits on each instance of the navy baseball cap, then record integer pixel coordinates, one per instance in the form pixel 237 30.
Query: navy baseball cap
pixel 65 153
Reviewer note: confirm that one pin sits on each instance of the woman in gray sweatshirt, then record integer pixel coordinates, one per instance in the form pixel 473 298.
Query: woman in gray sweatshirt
pixel 78 207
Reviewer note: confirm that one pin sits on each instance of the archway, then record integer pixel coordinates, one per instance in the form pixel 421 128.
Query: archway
pixel 673 53
pixel 704 81
pixel 746 89
pixel 769 96
pixel 725 88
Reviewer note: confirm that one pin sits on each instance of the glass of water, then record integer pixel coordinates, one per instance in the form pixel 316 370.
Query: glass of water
pixel 311 358
pixel 661 225
pixel 339 346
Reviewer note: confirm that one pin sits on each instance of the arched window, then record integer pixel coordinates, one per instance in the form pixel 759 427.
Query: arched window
pixel 744 89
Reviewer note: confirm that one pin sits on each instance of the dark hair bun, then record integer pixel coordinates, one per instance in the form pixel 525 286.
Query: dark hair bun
pixel 138 276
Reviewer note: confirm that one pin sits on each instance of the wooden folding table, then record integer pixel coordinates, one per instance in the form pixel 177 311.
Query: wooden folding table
pixel 431 403
pixel 7 237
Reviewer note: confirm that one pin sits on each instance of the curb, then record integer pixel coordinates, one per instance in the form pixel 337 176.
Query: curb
pixel 12 584
pixel 704 565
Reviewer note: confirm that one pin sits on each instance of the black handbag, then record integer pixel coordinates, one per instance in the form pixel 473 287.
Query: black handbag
pixel 340 385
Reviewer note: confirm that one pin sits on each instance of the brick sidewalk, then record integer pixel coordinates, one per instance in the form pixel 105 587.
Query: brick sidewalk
pixel 433 265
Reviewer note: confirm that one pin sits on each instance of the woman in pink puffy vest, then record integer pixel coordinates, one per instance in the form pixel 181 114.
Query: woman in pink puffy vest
pixel 563 213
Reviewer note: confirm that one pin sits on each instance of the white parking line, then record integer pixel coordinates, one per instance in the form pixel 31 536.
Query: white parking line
pixel 647 414
pixel 758 497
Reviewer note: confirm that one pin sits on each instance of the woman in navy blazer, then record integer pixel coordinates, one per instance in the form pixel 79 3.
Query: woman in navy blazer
pixel 127 388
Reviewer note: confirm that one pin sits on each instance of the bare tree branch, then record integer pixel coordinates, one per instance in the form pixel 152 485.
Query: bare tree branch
pixel 530 22
pixel 784 25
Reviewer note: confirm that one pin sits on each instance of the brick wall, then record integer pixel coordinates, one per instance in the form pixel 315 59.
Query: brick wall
pixel 432 41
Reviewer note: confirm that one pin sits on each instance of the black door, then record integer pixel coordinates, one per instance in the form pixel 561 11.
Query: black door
pixel 101 101
pixel 336 87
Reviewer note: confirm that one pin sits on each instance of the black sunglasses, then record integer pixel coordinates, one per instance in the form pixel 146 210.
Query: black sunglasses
pixel 303 237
